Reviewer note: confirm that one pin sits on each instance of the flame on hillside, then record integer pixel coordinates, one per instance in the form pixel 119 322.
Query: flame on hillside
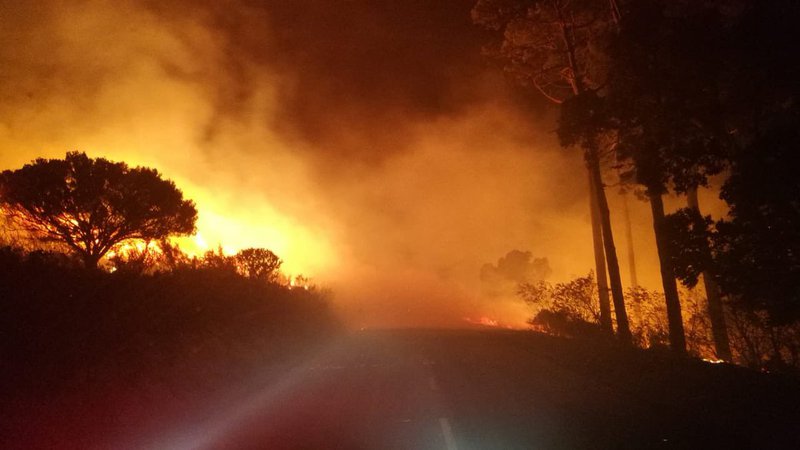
pixel 485 321
pixel 395 192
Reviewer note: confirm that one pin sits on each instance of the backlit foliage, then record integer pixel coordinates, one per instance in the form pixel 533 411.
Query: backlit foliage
pixel 91 205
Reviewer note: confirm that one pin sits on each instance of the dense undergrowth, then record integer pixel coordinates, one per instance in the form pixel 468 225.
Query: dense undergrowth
pixel 193 328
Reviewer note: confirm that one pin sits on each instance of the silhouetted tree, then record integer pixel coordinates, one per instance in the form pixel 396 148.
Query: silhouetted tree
pixel 569 308
pixel 648 314
pixel 663 102
pixel 134 259
pixel 577 297
pixel 600 261
pixel 258 263
pixel 757 249
pixel 171 257
pixel 687 235
pixel 556 46
pixel 218 261
pixel 92 204
pixel 516 267
pixel 716 310
pixel 718 87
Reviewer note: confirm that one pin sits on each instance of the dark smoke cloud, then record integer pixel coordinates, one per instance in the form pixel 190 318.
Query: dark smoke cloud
pixel 351 72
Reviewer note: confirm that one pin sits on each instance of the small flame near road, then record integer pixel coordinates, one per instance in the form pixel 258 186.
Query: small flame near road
pixel 485 321
pixel 714 361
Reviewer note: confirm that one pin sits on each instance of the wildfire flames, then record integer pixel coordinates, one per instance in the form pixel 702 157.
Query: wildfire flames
pixel 365 193
pixel 485 321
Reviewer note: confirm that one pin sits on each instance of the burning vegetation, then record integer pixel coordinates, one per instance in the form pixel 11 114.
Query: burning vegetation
pixel 655 105
pixel 226 150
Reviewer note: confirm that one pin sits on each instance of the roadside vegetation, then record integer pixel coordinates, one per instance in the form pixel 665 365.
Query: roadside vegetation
pixel 570 309
pixel 665 98
pixel 102 314
pixel 68 327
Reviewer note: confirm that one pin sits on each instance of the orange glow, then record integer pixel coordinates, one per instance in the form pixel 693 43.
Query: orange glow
pixel 235 219
pixel 488 322
pixel 301 250
pixel 714 360
pixel 393 208
pixel 130 246
pixel 485 321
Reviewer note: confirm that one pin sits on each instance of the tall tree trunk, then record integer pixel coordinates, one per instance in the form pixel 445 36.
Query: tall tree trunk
pixel 575 79
pixel 623 327
pixel 90 261
pixel 629 238
pixel 716 311
pixel 677 337
pixel 600 261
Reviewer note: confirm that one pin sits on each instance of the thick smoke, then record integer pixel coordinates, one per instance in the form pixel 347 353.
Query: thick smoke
pixel 366 142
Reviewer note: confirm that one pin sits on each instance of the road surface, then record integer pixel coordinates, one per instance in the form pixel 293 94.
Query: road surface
pixel 471 390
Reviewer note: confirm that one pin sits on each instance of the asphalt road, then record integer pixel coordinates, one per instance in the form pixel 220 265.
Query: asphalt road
pixel 469 390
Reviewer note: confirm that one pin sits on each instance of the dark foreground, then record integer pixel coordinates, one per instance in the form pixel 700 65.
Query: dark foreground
pixel 473 390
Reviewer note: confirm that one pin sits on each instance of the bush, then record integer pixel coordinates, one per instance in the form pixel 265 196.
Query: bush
pixel 64 325
pixel 563 323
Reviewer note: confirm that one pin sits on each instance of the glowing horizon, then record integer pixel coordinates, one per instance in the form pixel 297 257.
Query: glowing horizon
pixel 391 189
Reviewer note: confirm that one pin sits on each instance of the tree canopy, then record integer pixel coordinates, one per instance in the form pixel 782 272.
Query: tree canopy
pixel 559 48
pixel 553 45
pixel 757 247
pixel 92 205
pixel 664 99
pixel 259 263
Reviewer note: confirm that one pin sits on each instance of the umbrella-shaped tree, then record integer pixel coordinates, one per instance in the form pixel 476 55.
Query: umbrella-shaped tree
pixel 91 205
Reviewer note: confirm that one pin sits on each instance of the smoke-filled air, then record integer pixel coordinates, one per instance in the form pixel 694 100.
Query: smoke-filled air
pixel 399 224
pixel 300 129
